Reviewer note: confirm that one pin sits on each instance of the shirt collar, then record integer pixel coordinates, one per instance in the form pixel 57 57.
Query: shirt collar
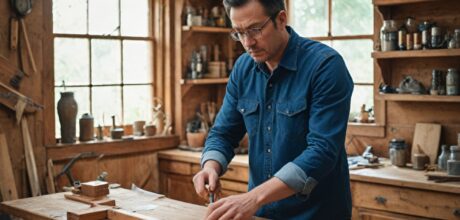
pixel 289 59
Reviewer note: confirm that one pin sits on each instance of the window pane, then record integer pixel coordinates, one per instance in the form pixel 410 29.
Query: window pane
pixel 81 95
pixel 135 18
pixel 105 55
pixel 357 56
pixel 137 103
pixel 106 102
pixel 309 17
pixel 103 17
pixel 69 16
pixel 137 61
pixel 71 61
pixel 352 17
pixel 361 95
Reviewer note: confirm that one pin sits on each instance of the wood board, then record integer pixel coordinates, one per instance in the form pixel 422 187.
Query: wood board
pixel 426 140
pixel 7 182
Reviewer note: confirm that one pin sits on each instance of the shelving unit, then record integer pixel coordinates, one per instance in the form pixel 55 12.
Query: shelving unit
pixel 189 93
pixel 397 114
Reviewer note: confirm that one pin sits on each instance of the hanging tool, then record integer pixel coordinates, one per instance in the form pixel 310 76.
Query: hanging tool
pixel 66 169
pixel 7 69
pixel 23 8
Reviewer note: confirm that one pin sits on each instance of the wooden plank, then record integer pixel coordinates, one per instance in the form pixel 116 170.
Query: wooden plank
pixel 417 98
pixel 206 29
pixel 112 148
pixel 366 129
pixel 30 159
pixel 51 185
pixel 114 214
pixel 93 213
pixel 204 81
pixel 7 183
pixel 416 53
pixel 399 2
pixel 426 140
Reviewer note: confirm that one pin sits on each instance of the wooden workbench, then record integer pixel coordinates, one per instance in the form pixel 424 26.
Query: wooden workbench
pixel 55 206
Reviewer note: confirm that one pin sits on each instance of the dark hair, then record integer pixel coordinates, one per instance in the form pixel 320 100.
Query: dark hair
pixel 272 7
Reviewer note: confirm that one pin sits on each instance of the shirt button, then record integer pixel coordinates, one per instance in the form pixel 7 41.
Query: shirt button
pixel 242 110
pixel 269 128
pixel 269 150
pixel 269 107
pixel 269 175
pixel 270 85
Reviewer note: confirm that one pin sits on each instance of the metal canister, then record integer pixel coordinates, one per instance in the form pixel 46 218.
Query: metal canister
pixel 398 152
pixel 452 82
pixel 86 127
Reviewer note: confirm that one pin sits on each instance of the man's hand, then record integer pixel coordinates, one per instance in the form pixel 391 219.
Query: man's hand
pixel 238 207
pixel 209 176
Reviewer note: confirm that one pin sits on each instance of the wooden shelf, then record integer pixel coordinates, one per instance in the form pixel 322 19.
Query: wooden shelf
pixel 416 53
pixel 204 81
pixel 417 98
pixel 205 29
pixel 399 2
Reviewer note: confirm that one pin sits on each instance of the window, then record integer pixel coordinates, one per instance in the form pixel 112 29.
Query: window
pixel 347 26
pixel 103 51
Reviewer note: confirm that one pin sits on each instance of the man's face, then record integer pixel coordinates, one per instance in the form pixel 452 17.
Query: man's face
pixel 264 46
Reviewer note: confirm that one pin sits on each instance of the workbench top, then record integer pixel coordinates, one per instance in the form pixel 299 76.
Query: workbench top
pixel 195 157
pixel 55 206
pixel 402 177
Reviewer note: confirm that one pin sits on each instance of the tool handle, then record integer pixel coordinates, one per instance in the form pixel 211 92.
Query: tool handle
pixel 29 49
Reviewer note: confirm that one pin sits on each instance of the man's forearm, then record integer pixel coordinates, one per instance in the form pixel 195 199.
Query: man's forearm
pixel 213 165
pixel 270 191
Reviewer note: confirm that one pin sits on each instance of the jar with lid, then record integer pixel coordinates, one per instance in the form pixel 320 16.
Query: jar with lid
pixel 425 28
pixel 411 25
pixel 397 152
pixel 452 82
pixel 436 82
pixel 454 152
pixel 402 38
pixel 436 38
pixel 456 38
pixel 388 36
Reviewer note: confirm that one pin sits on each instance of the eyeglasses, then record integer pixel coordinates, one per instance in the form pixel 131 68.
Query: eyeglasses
pixel 251 33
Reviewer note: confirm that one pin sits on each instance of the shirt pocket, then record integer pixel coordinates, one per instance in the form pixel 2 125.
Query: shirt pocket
pixel 249 110
pixel 292 118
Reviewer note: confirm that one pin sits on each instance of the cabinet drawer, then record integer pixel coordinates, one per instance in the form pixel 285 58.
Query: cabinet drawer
pixel 237 173
pixel 176 167
pixel 234 186
pixel 405 200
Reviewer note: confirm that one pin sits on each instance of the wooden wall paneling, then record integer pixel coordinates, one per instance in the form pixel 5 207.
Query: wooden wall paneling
pixel 48 76
pixel 159 49
pixel 7 182
pixel 169 57
pixel 125 170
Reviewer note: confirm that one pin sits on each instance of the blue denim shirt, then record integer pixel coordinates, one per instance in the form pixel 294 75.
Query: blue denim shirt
pixel 296 119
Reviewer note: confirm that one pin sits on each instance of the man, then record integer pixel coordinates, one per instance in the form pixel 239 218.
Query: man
pixel 292 96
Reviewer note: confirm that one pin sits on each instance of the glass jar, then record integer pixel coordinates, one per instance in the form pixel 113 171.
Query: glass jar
pixel 457 37
pixel 398 152
pixel 454 152
pixel 452 82
pixel 388 36
pixel 436 82
pixel 411 25
pixel 436 38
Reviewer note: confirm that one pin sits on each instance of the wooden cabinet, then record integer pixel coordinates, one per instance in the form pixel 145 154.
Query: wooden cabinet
pixel 189 93
pixel 397 193
pixel 177 169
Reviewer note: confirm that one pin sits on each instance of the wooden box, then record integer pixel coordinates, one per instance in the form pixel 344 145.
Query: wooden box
pixel 95 188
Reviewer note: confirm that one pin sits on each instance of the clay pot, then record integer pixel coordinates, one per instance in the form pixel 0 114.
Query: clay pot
pixel 67 109
pixel 196 139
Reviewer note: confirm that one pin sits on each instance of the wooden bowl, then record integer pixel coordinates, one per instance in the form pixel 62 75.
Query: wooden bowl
pixel 196 139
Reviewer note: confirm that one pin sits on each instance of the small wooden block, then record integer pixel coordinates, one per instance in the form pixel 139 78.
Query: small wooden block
pixel 93 201
pixel 95 188
pixel 94 213
pixel 119 214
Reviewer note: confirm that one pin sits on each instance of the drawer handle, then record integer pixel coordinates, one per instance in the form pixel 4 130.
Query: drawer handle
pixel 380 200
pixel 456 212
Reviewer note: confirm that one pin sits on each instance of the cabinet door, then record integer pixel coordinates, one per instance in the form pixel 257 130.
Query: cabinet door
pixel 180 187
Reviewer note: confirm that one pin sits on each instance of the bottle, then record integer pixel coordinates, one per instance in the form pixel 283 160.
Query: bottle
pixel 199 66
pixel 457 38
pixel 194 74
pixel 86 127
pixel 425 28
pixel 402 39
pixel 443 157
pixel 436 82
pixel 452 82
